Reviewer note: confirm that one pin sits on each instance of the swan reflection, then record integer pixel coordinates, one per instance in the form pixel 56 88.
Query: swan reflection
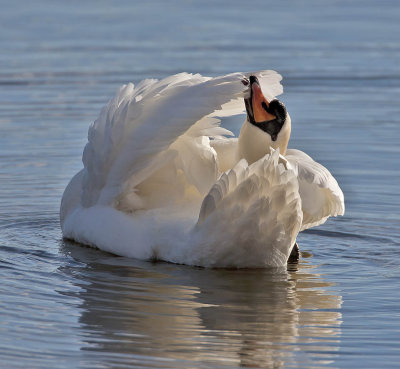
pixel 162 315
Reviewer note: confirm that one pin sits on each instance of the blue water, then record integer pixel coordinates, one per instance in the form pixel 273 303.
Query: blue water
pixel 63 305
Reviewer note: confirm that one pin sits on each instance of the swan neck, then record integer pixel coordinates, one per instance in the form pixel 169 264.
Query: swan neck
pixel 254 143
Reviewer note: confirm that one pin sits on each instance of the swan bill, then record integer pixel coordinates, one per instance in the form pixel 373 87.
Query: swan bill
pixel 269 116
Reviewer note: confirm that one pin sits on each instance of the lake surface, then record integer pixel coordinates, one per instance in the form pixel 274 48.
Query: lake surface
pixel 67 306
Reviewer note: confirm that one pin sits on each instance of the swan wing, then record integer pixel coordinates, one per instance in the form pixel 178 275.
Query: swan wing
pixel 320 193
pixel 251 215
pixel 227 152
pixel 140 123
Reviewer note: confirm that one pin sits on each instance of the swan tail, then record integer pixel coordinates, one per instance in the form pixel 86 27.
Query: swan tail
pixel 72 196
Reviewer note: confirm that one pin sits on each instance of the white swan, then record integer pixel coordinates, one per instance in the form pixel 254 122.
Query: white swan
pixel 162 181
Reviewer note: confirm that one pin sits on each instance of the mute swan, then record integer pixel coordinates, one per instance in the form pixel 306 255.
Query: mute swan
pixel 161 180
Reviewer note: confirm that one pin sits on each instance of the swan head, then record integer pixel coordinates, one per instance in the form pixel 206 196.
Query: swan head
pixel 268 124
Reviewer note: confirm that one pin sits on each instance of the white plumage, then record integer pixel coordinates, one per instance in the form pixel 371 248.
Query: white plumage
pixel 162 181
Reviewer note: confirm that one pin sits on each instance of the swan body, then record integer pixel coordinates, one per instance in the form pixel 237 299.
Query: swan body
pixel 161 179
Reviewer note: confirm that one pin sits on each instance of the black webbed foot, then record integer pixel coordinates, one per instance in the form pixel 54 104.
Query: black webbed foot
pixel 294 255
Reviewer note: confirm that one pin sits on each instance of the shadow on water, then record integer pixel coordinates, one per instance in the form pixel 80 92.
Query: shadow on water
pixel 138 313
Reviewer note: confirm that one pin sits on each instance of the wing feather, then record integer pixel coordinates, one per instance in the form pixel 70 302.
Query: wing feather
pixel 320 193
pixel 257 205
pixel 140 123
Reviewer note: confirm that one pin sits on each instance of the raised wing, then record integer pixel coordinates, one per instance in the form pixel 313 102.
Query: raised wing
pixel 257 208
pixel 320 193
pixel 138 124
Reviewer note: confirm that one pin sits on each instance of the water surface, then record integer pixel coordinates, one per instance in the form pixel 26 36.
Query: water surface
pixel 63 305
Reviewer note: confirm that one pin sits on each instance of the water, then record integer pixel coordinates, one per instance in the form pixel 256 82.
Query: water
pixel 63 305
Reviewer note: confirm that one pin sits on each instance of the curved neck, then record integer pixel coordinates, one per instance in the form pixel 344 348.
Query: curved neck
pixel 255 142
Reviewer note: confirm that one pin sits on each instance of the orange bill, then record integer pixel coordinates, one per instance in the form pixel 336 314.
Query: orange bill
pixel 258 99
